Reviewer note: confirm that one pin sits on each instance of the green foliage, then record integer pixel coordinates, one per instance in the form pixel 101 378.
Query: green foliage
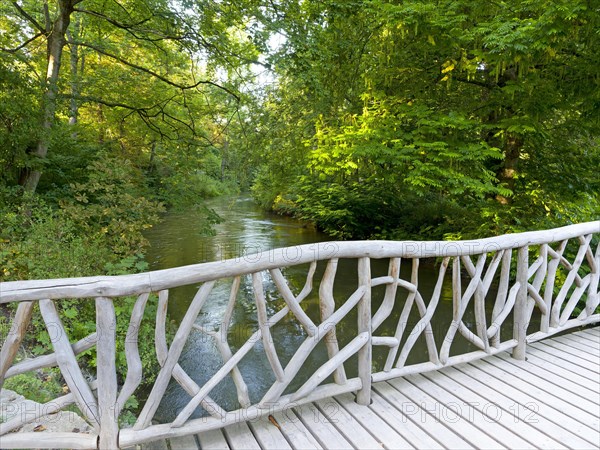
pixel 490 111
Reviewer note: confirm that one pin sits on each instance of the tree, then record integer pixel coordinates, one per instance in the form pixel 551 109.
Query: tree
pixel 470 106
pixel 152 61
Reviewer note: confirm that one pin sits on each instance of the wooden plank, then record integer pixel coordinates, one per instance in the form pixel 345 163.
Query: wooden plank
pixel 415 435
pixel 583 339
pixel 566 371
pixel 155 445
pixel 212 440
pixel 294 431
pixel 594 331
pixel 321 427
pixel 417 393
pixel 539 357
pixel 461 404
pixel 530 408
pixel 583 355
pixel 530 386
pixel 239 436
pixel 496 412
pixel 586 345
pixel 566 355
pixel 183 443
pixel 560 377
pixel 352 430
pixel 421 417
pixel 382 432
pixel 268 435
pixel 519 409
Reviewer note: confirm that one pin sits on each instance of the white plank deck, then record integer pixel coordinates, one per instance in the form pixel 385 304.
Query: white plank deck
pixel 550 401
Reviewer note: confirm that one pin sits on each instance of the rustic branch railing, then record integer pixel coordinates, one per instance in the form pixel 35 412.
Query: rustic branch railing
pixel 524 273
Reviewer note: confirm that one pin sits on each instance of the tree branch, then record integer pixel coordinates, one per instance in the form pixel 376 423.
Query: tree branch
pixel 156 75
pixel 24 44
pixel 26 15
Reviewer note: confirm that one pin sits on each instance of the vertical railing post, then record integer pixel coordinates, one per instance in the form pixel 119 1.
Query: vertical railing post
pixel 521 319
pixel 107 374
pixel 363 396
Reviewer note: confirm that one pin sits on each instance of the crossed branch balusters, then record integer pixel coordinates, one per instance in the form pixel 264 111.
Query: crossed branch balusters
pixel 551 284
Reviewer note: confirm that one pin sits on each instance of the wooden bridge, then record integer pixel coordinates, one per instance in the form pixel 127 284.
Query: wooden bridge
pixel 373 390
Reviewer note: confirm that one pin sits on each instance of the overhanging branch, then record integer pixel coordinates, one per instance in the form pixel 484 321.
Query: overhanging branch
pixel 157 75
pixel 24 44
pixel 27 16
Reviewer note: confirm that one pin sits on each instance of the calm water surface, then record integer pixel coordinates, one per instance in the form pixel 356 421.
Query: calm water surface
pixel 246 229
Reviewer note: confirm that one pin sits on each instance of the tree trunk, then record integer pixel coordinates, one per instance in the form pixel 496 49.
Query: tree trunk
pixel 56 43
pixel 75 70
pixel 508 172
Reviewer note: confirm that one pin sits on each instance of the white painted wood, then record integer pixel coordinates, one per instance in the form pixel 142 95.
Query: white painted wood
pixel 213 440
pixel 68 364
pixel 453 360
pixel 129 436
pixel 308 346
pixel 240 436
pixel 565 371
pixel 327 307
pixel 526 421
pixel 106 325
pixel 333 412
pixel 443 412
pixel 424 323
pixel 588 367
pixel 15 336
pixel 583 412
pixel 579 341
pixel 162 351
pixel 50 360
pixel 49 440
pixel 389 299
pixel 416 436
pixel 574 393
pixel 365 356
pixel 497 415
pixel 382 432
pixel 291 301
pixel 583 356
pixel 164 279
pixel 132 354
pixel 464 405
pixel 321 427
pixel 553 408
pixel 403 320
pixel 267 340
pixel 162 380
pixel 294 430
pixel 548 355
pixel 183 443
pixel 328 368
pixel 521 318
pixel 267 434
pixel 571 278
pixel 501 298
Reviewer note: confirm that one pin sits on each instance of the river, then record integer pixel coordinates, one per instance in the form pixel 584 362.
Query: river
pixel 245 229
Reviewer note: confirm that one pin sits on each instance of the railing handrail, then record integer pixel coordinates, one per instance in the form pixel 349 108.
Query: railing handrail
pixel 563 301
pixel 154 281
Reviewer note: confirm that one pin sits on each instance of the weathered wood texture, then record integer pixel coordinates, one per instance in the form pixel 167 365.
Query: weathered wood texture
pixel 499 403
pixel 553 274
